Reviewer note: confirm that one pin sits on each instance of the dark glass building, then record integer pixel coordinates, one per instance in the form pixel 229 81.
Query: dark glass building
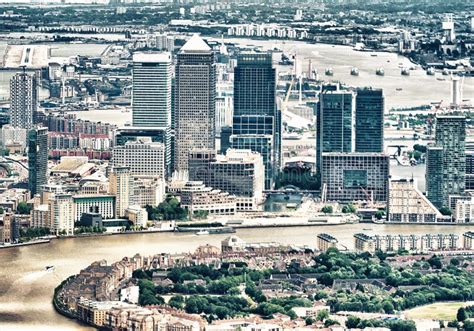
pixel 369 120
pixel 256 119
pixel 37 159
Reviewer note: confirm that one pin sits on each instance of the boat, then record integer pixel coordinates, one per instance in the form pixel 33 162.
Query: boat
pixel 405 71
pixel 445 72
pixel 329 72
pixel 430 71
pixel 202 233
pixel 355 71
pixel 49 268
pixel 291 205
pixel 373 54
pixel 399 89
pixel 380 71
pixel 441 79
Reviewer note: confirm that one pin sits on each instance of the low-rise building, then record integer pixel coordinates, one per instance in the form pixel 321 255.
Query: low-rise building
pixel 468 240
pixel 147 191
pixel 196 197
pixel 137 215
pixel 464 211
pixel 326 241
pixel 364 243
pixel 103 204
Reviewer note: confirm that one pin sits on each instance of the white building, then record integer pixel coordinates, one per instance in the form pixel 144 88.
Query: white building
pixel 62 214
pixel 144 158
pixel 137 215
pixel 23 100
pixel 464 212
pixel 99 203
pixel 149 191
pixel 11 136
pixel 195 197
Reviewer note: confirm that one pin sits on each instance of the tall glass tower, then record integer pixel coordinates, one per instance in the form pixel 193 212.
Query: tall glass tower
pixel 194 93
pixel 256 119
pixel 151 100
pixel 449 176
pixel 37 159
pixel 369 120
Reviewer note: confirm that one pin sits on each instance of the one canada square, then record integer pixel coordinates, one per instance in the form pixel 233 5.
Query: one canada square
pixel 195 90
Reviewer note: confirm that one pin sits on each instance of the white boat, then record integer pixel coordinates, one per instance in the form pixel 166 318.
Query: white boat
pixel 380 71
pixel 49 268
pixel 355 71
pixel 445 72
pixel 430 71
pixel 202 233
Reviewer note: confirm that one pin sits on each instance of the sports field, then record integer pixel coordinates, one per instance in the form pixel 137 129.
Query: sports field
pixel 445 311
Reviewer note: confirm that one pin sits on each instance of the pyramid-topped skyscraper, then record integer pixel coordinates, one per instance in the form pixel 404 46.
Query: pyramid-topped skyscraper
pixel 195 91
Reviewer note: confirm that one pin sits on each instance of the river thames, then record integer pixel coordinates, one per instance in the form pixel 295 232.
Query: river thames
pixel 26 289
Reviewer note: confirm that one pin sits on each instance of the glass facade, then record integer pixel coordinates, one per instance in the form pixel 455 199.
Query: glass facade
pixel 369 120
pixel 37 159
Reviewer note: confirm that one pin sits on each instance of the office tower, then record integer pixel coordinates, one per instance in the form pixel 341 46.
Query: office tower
pixel 144 158
pixel 102 204
pixel 62 214
pixel 151 90
pixel 195 89
pixel 37 159
pixel 256 119
pixel 356 176
pixel 239 172
pixel 469 170
pixel 336 123
pixel 151 100
pixel 226 133
pixel 23 100
pixel 369 120
pixel 119 185
pixel 446 161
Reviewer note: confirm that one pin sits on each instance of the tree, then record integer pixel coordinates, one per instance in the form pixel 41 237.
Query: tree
pixel 177 301
pixel 23 208
pixel 349 209
pixel 352 322
pixel 327 209
pixel 309 321
pixel 322 315
pixel 462 315
pixel 379 214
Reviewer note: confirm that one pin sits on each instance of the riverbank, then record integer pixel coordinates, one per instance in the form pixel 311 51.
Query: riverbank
pixel 27 243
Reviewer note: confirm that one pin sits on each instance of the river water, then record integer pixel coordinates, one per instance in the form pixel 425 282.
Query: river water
pixel 26 289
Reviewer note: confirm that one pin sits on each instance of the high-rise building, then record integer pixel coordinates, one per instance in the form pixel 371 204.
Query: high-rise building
pixel 446 162
pixel 62 214
pixel 336 123
pixel 37 159
pixel 256 119
pixel 239 172
pixel 119 185
pixel 152 100
pixel 369 120
pixel 151 90
pixel 194 107
pixel 23 100
pixel 144 158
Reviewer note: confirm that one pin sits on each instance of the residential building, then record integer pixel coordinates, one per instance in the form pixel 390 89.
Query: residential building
pixel 23 100
pixel 119 185
pixel 351 177
pixel 239 172
pixel 144 158
pixel 407 204
pixel 446 163
pixel 137 215
pixel 364 243
pixel 470 170
pixel 196 197
pixel 256 118
pixel 13 138
pixel 464 211
pixel 468 240
pixel 37 159
pixel 326 241
pixel 62 214
pixel 369 120
pixel 194 97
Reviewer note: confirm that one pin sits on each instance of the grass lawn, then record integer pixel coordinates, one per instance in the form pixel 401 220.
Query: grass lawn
pixel 438 311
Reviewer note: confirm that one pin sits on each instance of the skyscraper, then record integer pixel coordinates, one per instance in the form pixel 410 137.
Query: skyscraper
pixel 195 89
pixel 151 90
pixel 449 176
pixel 151 99
pixel 37 159
pixel 336 123
pixel 23 100
pixel 256 119
pixel 369 120
pixel 119 185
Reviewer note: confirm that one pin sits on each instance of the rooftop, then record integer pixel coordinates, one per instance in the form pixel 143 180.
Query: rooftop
pixel 196 43
pixel 155 57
